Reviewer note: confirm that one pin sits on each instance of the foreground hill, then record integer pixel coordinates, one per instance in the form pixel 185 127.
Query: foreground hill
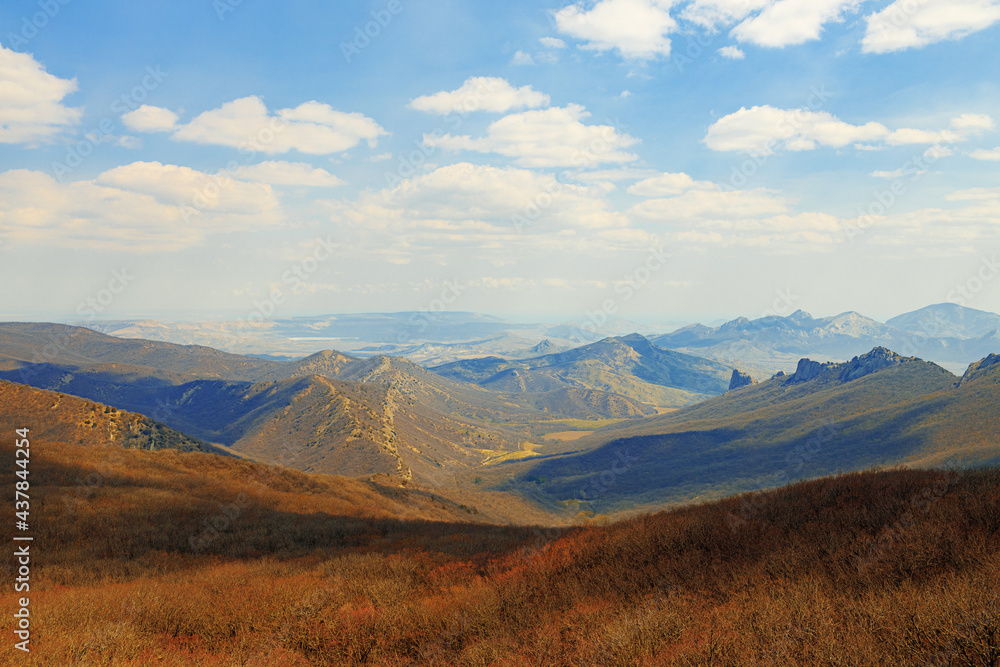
pixel 878 409
pixel 629 366
pixel 186 558
pixel 54 416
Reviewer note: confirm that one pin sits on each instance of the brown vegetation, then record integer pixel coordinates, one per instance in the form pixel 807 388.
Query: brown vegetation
pixel 173 558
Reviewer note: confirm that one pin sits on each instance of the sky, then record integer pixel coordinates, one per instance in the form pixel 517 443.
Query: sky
pixel 645 159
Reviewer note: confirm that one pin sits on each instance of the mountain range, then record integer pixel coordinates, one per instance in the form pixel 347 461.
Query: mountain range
pixel 335 413
pixel 618 425
pixel 950 335
pixel 880 408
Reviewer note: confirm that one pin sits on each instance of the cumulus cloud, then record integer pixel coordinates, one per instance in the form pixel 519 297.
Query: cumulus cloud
pixel 522 58
pixel 906 24
pixel 766 129
pixel 714 203
pixel 135 207
pixel 150 119
pixel 988 155
pixel 481 93
pixel 289 173
pixel 312 128
pixel 553 137
pixel 788 22
pixel 732 52
pixel 669 184
pixel 637 29
pixel 31 107
pixel 552 43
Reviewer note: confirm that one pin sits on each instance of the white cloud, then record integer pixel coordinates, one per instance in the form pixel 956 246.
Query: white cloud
pixel 635 28
pixel 907 24
pixel 610 175
pixel 481 93
pixel 714 203
pixel 150 119
pixel 992 155
pixel 974 194
pixel 31 107
pixel 713 14
pixel 898 173
pixel 522 58
pixel 973 122
pixel 552 43
pixel 174 185
pixel 788 22
pixel 134 207
pixel 312 128
pixel 667 184
pixel 289 173
pixel 732 52
pixel 480 210
pixel 766 129
pixel 553 137
pixel 128 141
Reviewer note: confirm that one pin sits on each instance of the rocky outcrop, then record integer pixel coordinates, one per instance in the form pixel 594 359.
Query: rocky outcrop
pixel 979 369
pixel 878 359
pixel 806 370
pixel 869 363
pixel 740 379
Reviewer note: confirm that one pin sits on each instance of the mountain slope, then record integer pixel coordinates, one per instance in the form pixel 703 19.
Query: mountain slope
pixel 60 417
pixel 629 366
pixel 947 320
pixel 878 409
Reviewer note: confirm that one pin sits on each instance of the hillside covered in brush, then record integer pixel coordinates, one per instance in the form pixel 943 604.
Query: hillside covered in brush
pixel 179 558
pixel 878 409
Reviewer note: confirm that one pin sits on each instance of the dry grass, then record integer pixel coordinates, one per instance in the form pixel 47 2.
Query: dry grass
pixel 890 568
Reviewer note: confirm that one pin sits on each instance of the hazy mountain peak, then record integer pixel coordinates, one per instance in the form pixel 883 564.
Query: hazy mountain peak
pixel 947 320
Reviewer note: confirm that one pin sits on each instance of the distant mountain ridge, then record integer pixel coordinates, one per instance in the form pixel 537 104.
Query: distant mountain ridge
pixel 630 366
pixel 948 334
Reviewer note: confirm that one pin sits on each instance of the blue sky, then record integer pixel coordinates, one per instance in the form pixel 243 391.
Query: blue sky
pixel 646 159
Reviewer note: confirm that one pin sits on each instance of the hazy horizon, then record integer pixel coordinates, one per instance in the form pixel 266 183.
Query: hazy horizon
pixel 677 160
